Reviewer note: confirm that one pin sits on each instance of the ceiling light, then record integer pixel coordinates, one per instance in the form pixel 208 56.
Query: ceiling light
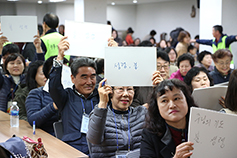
pixel 56 0
pixel 12 0
pixel 113 3
pixel 134 1
pixel 40 2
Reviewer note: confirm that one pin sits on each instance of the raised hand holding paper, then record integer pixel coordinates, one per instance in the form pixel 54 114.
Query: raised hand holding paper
pixel 65 80
pixel 130 66
pixel 87 39
pixel 19 28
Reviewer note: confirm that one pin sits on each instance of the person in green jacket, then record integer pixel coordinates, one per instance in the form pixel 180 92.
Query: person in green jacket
pixel 49 41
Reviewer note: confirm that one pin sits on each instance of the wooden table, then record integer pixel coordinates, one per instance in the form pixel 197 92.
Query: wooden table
pixel 54 147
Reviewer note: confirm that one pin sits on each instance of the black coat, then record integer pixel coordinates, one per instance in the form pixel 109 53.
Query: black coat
pixel 218 77
pixel 154 146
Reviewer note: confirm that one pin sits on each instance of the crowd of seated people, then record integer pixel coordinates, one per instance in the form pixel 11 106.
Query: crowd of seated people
pixel 107 121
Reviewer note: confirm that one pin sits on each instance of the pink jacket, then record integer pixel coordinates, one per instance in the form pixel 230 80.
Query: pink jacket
pixel 177 75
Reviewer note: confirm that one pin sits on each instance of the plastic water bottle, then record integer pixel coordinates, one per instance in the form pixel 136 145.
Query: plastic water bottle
pixel 14 115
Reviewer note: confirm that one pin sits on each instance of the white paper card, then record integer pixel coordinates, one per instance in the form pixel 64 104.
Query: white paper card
pixel 84 123
pixel 130 66
pixel 19 28
pixel 66 77
pixel 213 133
pixel 208 98
pixel 87 39
pixel 65 80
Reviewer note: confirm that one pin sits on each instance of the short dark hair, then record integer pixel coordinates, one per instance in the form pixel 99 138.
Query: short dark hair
pixel 13 57
pixel 49 63
pixel 191 47
pixel 145 43
pixel 194 72
pixel 10 48
pixel 31 73
pixel 163 55
pixel 130 30
pixel 182 35
pixel 231 94
pixel 221 53
pixel 218 28
pixel 155 123
pixel 100 66
pixel 185 57
pixel 153 33
pixel 168 49
pixel 196 37
pixel 108 22
pixel 202 55
pixel 40 29
pixel 81 62
pixel 153 39
pixel 51 20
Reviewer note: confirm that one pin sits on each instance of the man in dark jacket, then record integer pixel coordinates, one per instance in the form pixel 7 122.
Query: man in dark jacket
pixel 74 104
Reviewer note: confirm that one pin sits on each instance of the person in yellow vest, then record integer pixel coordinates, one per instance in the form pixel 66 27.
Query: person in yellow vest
pixel 49 42
pixel 220 41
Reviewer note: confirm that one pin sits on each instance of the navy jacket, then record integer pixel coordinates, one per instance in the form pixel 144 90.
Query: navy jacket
pixel 154 146
pixel 8 89
pixel 228 41
pixel 218 77
pixel 70 107
pixel 39 108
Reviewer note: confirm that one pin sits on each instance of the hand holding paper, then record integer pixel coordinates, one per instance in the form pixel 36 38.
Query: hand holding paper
pixel 104 92
pixel 183 150
pixel 3 39
pixel 62 47
pixel 37 44
pixel 222 101
pixel 112 42
pixel 157 78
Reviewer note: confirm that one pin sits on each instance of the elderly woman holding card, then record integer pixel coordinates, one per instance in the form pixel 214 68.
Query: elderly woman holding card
pixel 114 126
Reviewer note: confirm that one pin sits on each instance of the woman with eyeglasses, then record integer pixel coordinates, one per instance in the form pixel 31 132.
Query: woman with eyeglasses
pixel 222 59
pixel 114 126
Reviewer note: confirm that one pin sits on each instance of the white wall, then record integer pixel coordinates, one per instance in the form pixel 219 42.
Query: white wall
pixel 65 12
pixel 160 16
pixel 25 9
pixel 122 16
pixel 32 9
pixel 51 8
pixel 95 11
pixel 40 12
pixel 207 22
pixel 7 9
pixel 166 16
pixel 229 23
